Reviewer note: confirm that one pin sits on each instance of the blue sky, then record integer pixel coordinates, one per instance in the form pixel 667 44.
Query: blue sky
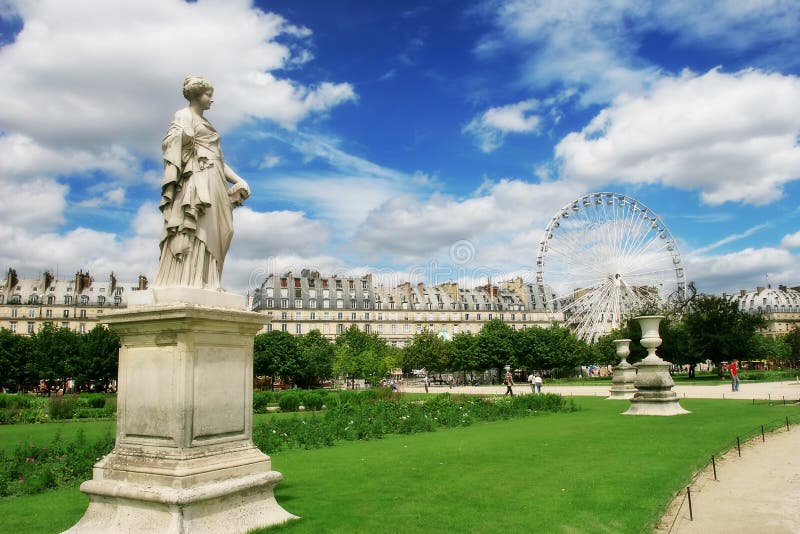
pixel 387 136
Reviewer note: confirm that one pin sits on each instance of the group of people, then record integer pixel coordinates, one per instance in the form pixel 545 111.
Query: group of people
pixel 534 379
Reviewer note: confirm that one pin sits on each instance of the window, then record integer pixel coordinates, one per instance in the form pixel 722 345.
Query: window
pixel 284 316
pixel 101 300
pixel 269 327
pixel 366 316
pixel 326 303
pixel 270 303
pixel 298 316
pixel 84 299
pixel 339 316
pixel 394 329
pixel 339 328
pixel 48 313
pixel 326 316
pixel 490 316
pixel 354 304
pixel 380 329
pixel 66 314
pixel 284 303
pixel 67 300
pixel 298 303
pixel 33 299
pixel 339 303
pixel 82 328
pixel 83 313
pixel 313 316
pixel 298 328
pixel 367 328
pixel 406 328
pixel 51 299
pixel 32 313
pixel 378 305
pixel 284 327
pixel 366 304
pixel 363 284
pixel 13 327
pixel 13 312
pixel 64 325
pixel 326 328
pixel 312 303
pixel 30 328
pixel 353 316
pixel 419 329
pixel 466 317
pixel 117 301
pixel 478 316
pixel 298 292
pixel 118 292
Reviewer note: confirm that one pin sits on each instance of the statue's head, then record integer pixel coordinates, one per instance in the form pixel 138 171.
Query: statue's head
pixel 194 86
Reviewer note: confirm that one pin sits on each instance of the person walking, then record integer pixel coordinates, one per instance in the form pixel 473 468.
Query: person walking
pixel 538 381
pixel 734 370
pixel 509 381
pixel 532 381
pixel 426 383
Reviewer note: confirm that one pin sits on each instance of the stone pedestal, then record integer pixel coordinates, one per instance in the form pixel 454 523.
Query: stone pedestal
pixel 654 395
pixel 184 461
pixel 624 373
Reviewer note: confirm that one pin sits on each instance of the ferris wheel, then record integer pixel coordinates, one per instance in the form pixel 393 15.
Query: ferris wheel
pixel 602 256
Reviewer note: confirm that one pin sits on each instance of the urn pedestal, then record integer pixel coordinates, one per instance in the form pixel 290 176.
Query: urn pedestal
pixel 624 373
pixel 184 460
pixel 654 395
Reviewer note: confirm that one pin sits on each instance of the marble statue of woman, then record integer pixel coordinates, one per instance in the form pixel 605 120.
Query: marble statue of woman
pixel 196 202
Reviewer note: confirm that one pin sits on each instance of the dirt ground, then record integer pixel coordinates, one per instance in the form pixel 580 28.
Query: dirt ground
pixel 759 492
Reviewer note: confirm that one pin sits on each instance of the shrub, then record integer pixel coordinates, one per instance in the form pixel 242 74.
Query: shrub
pixel 62 407
pixel 262 399
pixel 313 400
pixel 290 401
pixel 16 402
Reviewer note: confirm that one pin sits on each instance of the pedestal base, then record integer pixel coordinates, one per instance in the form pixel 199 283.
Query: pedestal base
pixel 231 506
pixel 622 385
pixel 184 461
pixel 654 395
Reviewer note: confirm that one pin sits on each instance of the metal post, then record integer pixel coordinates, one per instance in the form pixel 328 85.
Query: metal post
pixel 762 433
pixel 689 495
pixel 714 465
pixel 739 446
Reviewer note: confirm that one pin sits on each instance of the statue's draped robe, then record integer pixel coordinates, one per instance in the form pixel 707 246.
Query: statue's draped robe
pixel 198 215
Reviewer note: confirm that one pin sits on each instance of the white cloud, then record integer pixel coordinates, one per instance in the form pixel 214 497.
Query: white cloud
pixel 715 132
pixel 791 240
pixel 260 235
pixel 34 204
pixel 743 269
pixel 269 161
pixel 730 239
pixel 85 84
pixel 491 127
pixel 594 46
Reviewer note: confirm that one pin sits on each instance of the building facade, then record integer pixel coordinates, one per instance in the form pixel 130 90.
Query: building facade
pixel 78 303
pixel 779 307
pixel 299 304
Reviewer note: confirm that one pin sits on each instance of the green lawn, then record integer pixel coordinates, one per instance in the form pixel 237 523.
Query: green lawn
pixel 590 471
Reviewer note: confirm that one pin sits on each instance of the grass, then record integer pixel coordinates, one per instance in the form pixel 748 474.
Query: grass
pixel 590 471
pixel 42 434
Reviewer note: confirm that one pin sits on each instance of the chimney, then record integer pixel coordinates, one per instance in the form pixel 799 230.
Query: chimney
pixel 142 282
pixel 742 292
pixel 47 279
pixel 112 283
pixel 11 279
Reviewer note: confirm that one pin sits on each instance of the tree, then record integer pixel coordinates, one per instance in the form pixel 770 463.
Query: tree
pixel 274 352
pixel 495 345
pixel 718 330
pixel 15 352
pixel 98 356
pixel 55 353
pixel 464 355
pixel 429 351
pixel 793 340
pixel 771 348
pixel 314 361
pixel 358 354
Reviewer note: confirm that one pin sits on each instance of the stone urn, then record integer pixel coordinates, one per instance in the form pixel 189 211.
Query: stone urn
pixel 653 383
pixel 651 339
pixel 624 373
